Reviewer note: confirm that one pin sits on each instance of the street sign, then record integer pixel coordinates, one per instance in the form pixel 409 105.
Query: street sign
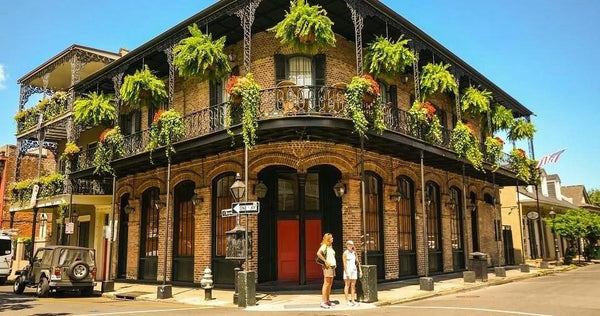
pixel 228 213
pixel 69 228
pixel 34 194
pixel 533 215
pixel 250 207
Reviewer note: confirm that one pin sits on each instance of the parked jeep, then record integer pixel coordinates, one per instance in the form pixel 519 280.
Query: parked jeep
pixel 59 268
pixel 6 253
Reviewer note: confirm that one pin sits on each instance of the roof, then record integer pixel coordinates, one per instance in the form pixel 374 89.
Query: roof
pixel 222 5
pixel 579 196
pixel 545 199
pixel 553 177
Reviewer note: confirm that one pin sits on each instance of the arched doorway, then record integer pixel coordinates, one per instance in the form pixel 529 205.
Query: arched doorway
pixel 183 232
pixel 474 220
pixel 434 227
pixel 296 211
pixel 148 260
pixel 123 237
pixel 374 222
pixel 456 229
pixel 405 208
pixel 221 199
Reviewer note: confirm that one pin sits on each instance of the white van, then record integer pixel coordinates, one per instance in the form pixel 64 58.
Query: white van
pixel 6 253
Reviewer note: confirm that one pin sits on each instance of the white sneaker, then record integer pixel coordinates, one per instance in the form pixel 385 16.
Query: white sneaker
pixel 325 306
pixel 349 303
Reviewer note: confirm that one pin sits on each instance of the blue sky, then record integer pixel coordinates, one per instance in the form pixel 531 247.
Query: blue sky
pixel 542 52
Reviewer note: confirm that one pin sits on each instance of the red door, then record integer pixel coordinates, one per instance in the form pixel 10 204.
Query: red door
pixel 313 242
pixel 288 250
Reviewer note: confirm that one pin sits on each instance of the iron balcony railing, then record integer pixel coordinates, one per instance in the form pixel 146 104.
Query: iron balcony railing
pixel 277 102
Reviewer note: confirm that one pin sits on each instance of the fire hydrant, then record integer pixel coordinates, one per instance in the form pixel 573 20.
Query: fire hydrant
pixel 207 284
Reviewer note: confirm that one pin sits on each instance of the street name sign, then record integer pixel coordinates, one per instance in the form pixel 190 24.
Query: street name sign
pixel 250 207
pixel 228 213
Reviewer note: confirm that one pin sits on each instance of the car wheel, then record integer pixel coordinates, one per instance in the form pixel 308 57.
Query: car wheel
pixel 19 285
pixel 43 287
pixel 79 270
pixel 87 291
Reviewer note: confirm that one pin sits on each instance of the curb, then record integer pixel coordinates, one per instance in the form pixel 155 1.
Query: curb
pixel 474 287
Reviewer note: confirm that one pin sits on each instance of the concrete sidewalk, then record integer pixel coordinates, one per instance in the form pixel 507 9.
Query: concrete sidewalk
pixel 389 293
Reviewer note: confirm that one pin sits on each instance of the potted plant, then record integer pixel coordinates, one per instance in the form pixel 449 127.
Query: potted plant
pixel 385 57
pixel 51 185
pixel 466 145
pixel 244 92
pixel 502 118
pixel 475 101
pixel 71 151
pixel 423 123
pixel 305 28
pixel 94 109
pixel 167 128
pixel 521 129
pixel 56 105
pixel 200 56
pixel 436 78
pixel 109 148
pixel 143 88
pixel 494 147
pixel 523 166
pixel 362 100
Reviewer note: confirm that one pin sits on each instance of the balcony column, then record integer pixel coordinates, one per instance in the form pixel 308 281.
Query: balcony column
pixel 416 74
pixel 169 52
pixel 358 21
pixel 457 97
pixel 45 79
pixel 117 83
pixel 246 15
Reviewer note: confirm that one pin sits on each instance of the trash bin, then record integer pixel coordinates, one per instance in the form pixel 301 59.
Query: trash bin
pixel 478 263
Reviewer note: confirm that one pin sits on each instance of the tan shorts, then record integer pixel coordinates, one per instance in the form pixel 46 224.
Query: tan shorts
pixel 329 272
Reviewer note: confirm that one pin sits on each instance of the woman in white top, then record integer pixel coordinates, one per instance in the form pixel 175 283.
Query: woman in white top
pixel 351 271
pixel 327 254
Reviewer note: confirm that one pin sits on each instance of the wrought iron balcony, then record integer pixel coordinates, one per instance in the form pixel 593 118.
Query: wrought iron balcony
pixel 277 102
pixel 92 186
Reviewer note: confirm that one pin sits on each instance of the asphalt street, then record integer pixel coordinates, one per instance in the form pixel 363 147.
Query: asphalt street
pixel 571 293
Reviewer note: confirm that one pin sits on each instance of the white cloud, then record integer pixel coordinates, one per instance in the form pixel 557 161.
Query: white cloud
pixel 3 76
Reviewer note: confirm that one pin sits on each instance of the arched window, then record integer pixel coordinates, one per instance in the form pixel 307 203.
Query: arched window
pixel 374 212
pixel 148 264
pixel 222 199
pixel 405 215
pixel 434 234
pixel 456 218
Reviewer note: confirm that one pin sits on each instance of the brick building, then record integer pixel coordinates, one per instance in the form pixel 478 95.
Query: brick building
pixel 305 147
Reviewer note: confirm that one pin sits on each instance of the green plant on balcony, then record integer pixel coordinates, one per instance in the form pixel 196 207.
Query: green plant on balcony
pixel 56 106
pixel 142 89
pixel 363 104
pixel 109 148
pixel 21 191
pixel 385 57
pixel 521 129
pixel 494 147
pixel 424 123
pixel 94 109
pixel 49 108
pixel 475 101
pixel 244 91
pixel 524 167
pixel 71 151
pixel 502 118
pixel 305 28
pixel 466 145
pixel 200 56
pixel 49 186
pixel 166 129
pixel 436 78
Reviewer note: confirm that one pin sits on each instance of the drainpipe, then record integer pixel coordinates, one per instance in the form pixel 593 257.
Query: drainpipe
pixel 4 162
pixel 425 245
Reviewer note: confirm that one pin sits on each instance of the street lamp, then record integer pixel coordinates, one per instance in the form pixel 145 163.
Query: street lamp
pixel 556 251
pixel 261 190
pixel 238 188
pixel 339 189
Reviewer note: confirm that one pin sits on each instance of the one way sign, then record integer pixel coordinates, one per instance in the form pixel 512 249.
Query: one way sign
pixel 252 207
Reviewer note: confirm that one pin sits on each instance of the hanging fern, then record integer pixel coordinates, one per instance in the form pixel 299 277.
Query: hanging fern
pixel 94 109
pixel 358 92
pixel 248 90
pixel 200 56
pixel 109 148
pixel 305 28
pixel 167 128
pixel 423 123
pixel 436 78
pixel 494 147
pixel 71 151
pixel 466 145
pixel 475 101
pixel 520 130
pixel 388 57
pixel 502 118
pixel 142 89
pixel 523 166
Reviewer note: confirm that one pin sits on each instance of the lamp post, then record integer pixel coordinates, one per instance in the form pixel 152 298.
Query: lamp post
pixel 556 251
pixel 238 191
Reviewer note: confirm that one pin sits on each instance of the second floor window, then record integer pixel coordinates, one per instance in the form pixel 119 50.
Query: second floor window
pixel 300 70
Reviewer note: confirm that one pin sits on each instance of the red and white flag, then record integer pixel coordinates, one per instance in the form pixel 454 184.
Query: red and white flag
pixel 550 158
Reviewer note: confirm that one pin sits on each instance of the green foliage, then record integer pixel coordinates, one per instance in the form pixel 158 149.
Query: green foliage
pixel 523 166
pixel 166 129
pixel 466 145
pixel 594 195
pixel 436 78
pixel 576 224
pixel 475 101
pixel 94 109
pixel 200 56
pixel 249 90
pixel 305 28
pixel 520 130
pixel 109 148
pixel 423 123
pixel 388 57
pixel 50 108
pixel 502 118
pixel 494 147
pixel 71 150
pixel 357 109
pixel 49 186
pixel 143 88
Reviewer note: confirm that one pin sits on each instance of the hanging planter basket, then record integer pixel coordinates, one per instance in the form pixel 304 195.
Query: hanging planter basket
pixel 307 39
pixel 368 99
pixel 236 99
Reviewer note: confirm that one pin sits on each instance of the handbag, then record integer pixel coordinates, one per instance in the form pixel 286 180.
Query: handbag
pixel 319 261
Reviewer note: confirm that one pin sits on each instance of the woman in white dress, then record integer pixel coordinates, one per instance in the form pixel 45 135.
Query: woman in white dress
pixel 351 272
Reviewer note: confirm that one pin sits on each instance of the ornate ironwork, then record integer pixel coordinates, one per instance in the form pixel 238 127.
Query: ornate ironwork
pixel 416 76
pixel 76 66
pixel 246 15
pixel 117 80
pixel 92 186
pixel 169 53
pixel 457 99
pixel 357 11
pixel 29 90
